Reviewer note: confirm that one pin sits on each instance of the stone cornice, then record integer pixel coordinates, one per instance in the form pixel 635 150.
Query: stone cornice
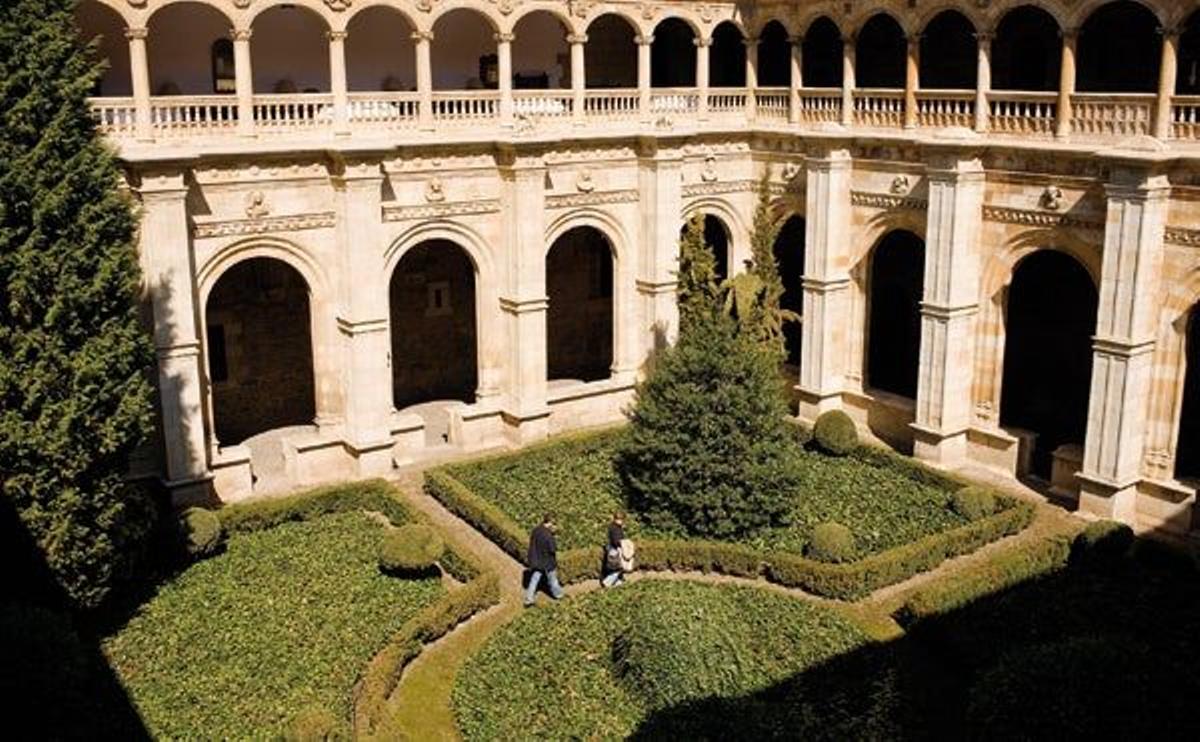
pixel 887 201
pixel 1031 218
pixel 567 200
pixel 1182 236
pixel 265 225
pixel 429 211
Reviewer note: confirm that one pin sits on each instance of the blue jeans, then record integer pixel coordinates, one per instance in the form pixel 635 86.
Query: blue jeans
pixel 551 579
pixel 612 578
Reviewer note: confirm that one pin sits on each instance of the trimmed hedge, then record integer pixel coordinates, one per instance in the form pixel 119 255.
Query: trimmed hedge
pixel 413 547
pixel 200 533
pixel 383 673
pixel 374 494
pixel 835 433
pixel 998 573
pixel 485 517
pixel 832 543
pixel 973 502
pixel 1103 539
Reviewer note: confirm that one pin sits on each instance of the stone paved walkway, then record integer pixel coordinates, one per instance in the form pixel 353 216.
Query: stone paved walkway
pixel 421 705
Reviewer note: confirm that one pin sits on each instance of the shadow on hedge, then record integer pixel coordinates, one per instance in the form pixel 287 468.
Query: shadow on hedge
pixel 1101 647
pixel 52 671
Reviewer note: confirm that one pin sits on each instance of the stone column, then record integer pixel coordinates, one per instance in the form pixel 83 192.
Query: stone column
pixel 661 204
pixel 826 283
pixel 1130 292
pixel 243 80
pixel 504 74
pixel 643 44
pixel 362 315
pixel 578 75
pixel 912 80
pixel 1066 82
pixel 1167 75
pixel 139 70
pixel 524 301
pixel 848 81
pixel 337 82
pixel 423 40
pixel 983 81
pixel 165 248
pixel 751 77
pixel 949 307
pixel 795 79
pixel 703 46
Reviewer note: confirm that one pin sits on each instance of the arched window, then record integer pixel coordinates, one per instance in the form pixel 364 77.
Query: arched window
pixel 463 53
pixel 1026 52
pixel 188 50
pixel 673 55
pixel 380 52
pixel 290 51
pixel 821 55
pixel 579 318
pixel 774 56
pixel 894 332
pixel 881 54
pixel 541 57
pixel 1120 50
pixel 949 53
pixel 610 55
pixel 727 57
pixel 106 27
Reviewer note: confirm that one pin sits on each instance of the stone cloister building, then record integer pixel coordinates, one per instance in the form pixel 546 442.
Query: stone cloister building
pixel 373 230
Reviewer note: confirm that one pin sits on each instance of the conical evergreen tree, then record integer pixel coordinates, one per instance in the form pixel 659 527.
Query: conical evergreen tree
pixel 74 395
pixel 709 450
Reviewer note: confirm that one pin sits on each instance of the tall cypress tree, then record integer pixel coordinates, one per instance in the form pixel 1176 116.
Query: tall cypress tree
pixel 74 396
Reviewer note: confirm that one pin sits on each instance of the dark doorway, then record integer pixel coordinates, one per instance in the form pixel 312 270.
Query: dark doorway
pixel 789 257
pixel 881 54
pixel 260 358
pixel 1120 50
pixel 1187 452
pixel 894 329
pixel 432 296
pixel 673 55
pixel 1051 317
pixel 579 320
pixel 1027 51
pixel 727 57
pixel 821 55
pixel 774 57
pixel 949 53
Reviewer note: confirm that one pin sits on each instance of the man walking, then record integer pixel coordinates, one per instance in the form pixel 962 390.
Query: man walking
pixel 543 560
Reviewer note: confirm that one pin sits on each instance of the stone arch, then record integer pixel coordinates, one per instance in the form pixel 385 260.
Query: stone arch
pixel 784 22
pixel 895 288
pixel 1119 48
pixel 380 51
pixel 921 22
pixel 259 348
pixel 602 221
pixel 433 319
pixel 278 30
pixel 462 235
pixel 181 43
pixel 727 56
pixel 823 60
pixel 581 268
pixel 463 50
pixel 1188 80
pixel 774 55
pixel 1050 308
pixel 1026 51
pixel 541 56
pixel 673 55
pixel 317 7
pixel 296 256
pixel 880 52
pixel 353 14
pixel 1088 8
pixel 106 24
pixel 558 10
pixel 610 54
pixel 229 20
pixel 948 58
pixel 1187 425
pixel 724 225
pixel 788 251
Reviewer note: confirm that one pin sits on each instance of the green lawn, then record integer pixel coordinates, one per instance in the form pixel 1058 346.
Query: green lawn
pixel 553 672
pixel 286 618
pixel 882 500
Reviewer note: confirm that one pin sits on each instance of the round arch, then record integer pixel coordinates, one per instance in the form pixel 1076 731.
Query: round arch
pixel 1088 8
pixel 1119 49
pixel 822 55
pixel 774 55
pixel 672 54
pixel 1026 51
pixel 348 19
pixel 294 255
pixel 727 56
pixel 189 51
pixel 881 50
pixel 289 51
pixel 540 52
pixel 733 229
pixel 106 24
pixel 948 58
pixel 601 221
pixel 558 11
pixel 581 322
pixel 610 54
pixel 463 51
pixel 380 51
pixel 895 289
pixel 1188 80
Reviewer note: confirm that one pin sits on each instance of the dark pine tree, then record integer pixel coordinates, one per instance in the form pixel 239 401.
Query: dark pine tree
pixel 74 396
pixel 710 451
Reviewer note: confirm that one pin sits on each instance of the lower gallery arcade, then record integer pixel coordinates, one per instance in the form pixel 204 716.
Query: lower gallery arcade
pixel 978 308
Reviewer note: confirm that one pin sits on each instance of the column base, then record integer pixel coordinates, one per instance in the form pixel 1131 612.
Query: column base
pixel 812 404
pixel 521 428
pixel 233 477
pixel 194 491
pixel 1115 501
pixel 371 458
pixel 946 450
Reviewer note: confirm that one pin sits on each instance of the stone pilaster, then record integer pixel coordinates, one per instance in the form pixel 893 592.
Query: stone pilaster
pixel 826 283
pixel 362 315
pixel 949 308
pixel 660 201
pixel 524 300
pixel 1130 290
pixel 165 248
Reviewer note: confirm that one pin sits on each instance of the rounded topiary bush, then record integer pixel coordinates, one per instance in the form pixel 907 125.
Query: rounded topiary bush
pixel 200 532
pixel 973 502
pixel 1102 539
pixel 411 549
pixel 832 542
pixel 315 724
pixel 835 433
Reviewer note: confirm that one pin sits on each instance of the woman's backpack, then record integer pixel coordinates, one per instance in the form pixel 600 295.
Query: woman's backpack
pixel 612 559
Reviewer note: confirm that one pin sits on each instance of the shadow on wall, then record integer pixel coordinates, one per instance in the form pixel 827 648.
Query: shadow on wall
pixel 52 671
pixel 1100 649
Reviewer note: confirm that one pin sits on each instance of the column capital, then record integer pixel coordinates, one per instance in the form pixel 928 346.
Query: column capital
pixel 913 38
pixel 136 33
pixel 337 35
pixel 750 41
pixel 796 40
pixel 700 41
pixel 505 38
pixel 1171 32
pixel 1070 33
pixel 422 36
pixel 985 36
pixel 645 40
pixel 577 38
pixel 241 34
